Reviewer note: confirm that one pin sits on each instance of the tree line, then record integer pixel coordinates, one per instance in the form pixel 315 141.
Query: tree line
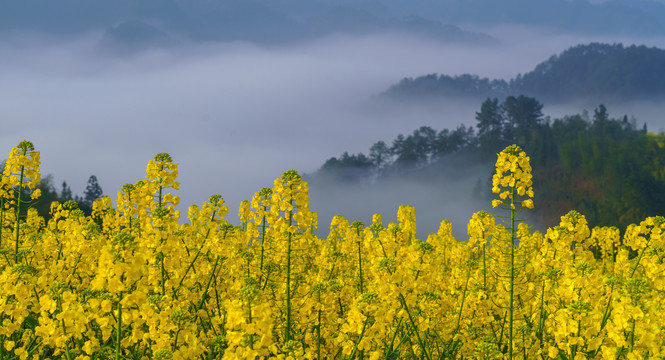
pixel 610 169
pixel 50 194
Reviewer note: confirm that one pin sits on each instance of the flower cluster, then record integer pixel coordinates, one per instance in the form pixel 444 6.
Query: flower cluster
pixel 134 282
pixel 22 166
pixel 513 177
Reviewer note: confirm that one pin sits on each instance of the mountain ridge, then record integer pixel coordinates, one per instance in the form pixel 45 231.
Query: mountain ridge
pixel 595 72
pixel 274 21
pixel 228 20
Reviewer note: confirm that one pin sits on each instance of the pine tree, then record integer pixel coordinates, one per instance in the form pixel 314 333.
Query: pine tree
pixel 92 192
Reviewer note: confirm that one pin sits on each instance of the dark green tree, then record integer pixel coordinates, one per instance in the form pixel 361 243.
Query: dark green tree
pixel 66 193
pixel 490 127
pixel 424 139
pixel 523 115
pixel 92 192
pixel 442 145
pixel 405 152
pixel 600 118
pixel 461 138
pixel 49 195
pixel 379 154
pixel 348 168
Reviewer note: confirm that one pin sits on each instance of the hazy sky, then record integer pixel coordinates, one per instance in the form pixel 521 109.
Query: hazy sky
pixel 234 116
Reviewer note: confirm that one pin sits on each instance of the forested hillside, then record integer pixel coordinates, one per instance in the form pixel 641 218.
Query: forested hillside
pixel 597 72
pixel 609 169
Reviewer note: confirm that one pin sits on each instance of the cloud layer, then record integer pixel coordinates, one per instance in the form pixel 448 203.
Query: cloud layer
pixel 235 116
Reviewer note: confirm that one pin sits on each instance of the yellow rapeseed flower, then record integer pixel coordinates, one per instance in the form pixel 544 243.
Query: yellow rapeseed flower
pixel 22 165
pixel 513 177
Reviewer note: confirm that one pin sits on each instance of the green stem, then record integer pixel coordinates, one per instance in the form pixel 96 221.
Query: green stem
pixel 59 252
pixel 129 201
pixel 249 315
pixel 632 336
pixel 263 238
pixel 608 309
pixel 392 340
pixel 217 298
pixel 541 319
pixel 484 266
pixel 32 347
pixel 119 330
pixel 511 308
pixel 461 308
pixel 266 282
pixel 163 275
pixel 205 292
pixel 503 326
pixel 191 264
pixel 573 350
pixel 287 330
pixel 318 331
pixel 18 210
pixel 159 205
pixel 249 306
pixel 382 248
pixel 637 262
pixel 415 327
pixel 2 218
pixel 422 261
pixel 360 266
pixel 524 356
pixel 64 329
pixel 332 269
pixel 362 333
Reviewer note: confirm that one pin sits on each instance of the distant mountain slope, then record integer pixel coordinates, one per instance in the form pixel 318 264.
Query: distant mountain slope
pixel 612 71
pixel 613 17
pixel 286 20
pixel 133 35
pixel 598 72
pixel 435 86
pixel 351 20
pixel 223 20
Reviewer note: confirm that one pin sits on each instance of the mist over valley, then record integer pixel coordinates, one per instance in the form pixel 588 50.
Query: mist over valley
pixel 104 96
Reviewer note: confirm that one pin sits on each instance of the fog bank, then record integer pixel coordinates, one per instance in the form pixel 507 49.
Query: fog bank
pixel 234 115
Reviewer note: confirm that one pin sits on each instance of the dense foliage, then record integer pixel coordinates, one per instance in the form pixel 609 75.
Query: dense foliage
pixel 440 85
pixel 609 169
pixel 132 282
pixel 595 72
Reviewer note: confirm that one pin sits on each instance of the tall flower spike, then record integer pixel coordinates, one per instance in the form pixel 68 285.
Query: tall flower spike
pixel 513 177
pixel 22 166
pixel 163 171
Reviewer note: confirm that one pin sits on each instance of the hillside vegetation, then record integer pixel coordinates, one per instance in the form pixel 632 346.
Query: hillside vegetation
pixel 595 71
pixel 609 169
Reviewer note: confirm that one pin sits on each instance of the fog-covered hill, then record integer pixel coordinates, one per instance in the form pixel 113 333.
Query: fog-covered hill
pixel 276 21
pixel 256 21
pixel 612 17
pixel 593 72
pixel 607 168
